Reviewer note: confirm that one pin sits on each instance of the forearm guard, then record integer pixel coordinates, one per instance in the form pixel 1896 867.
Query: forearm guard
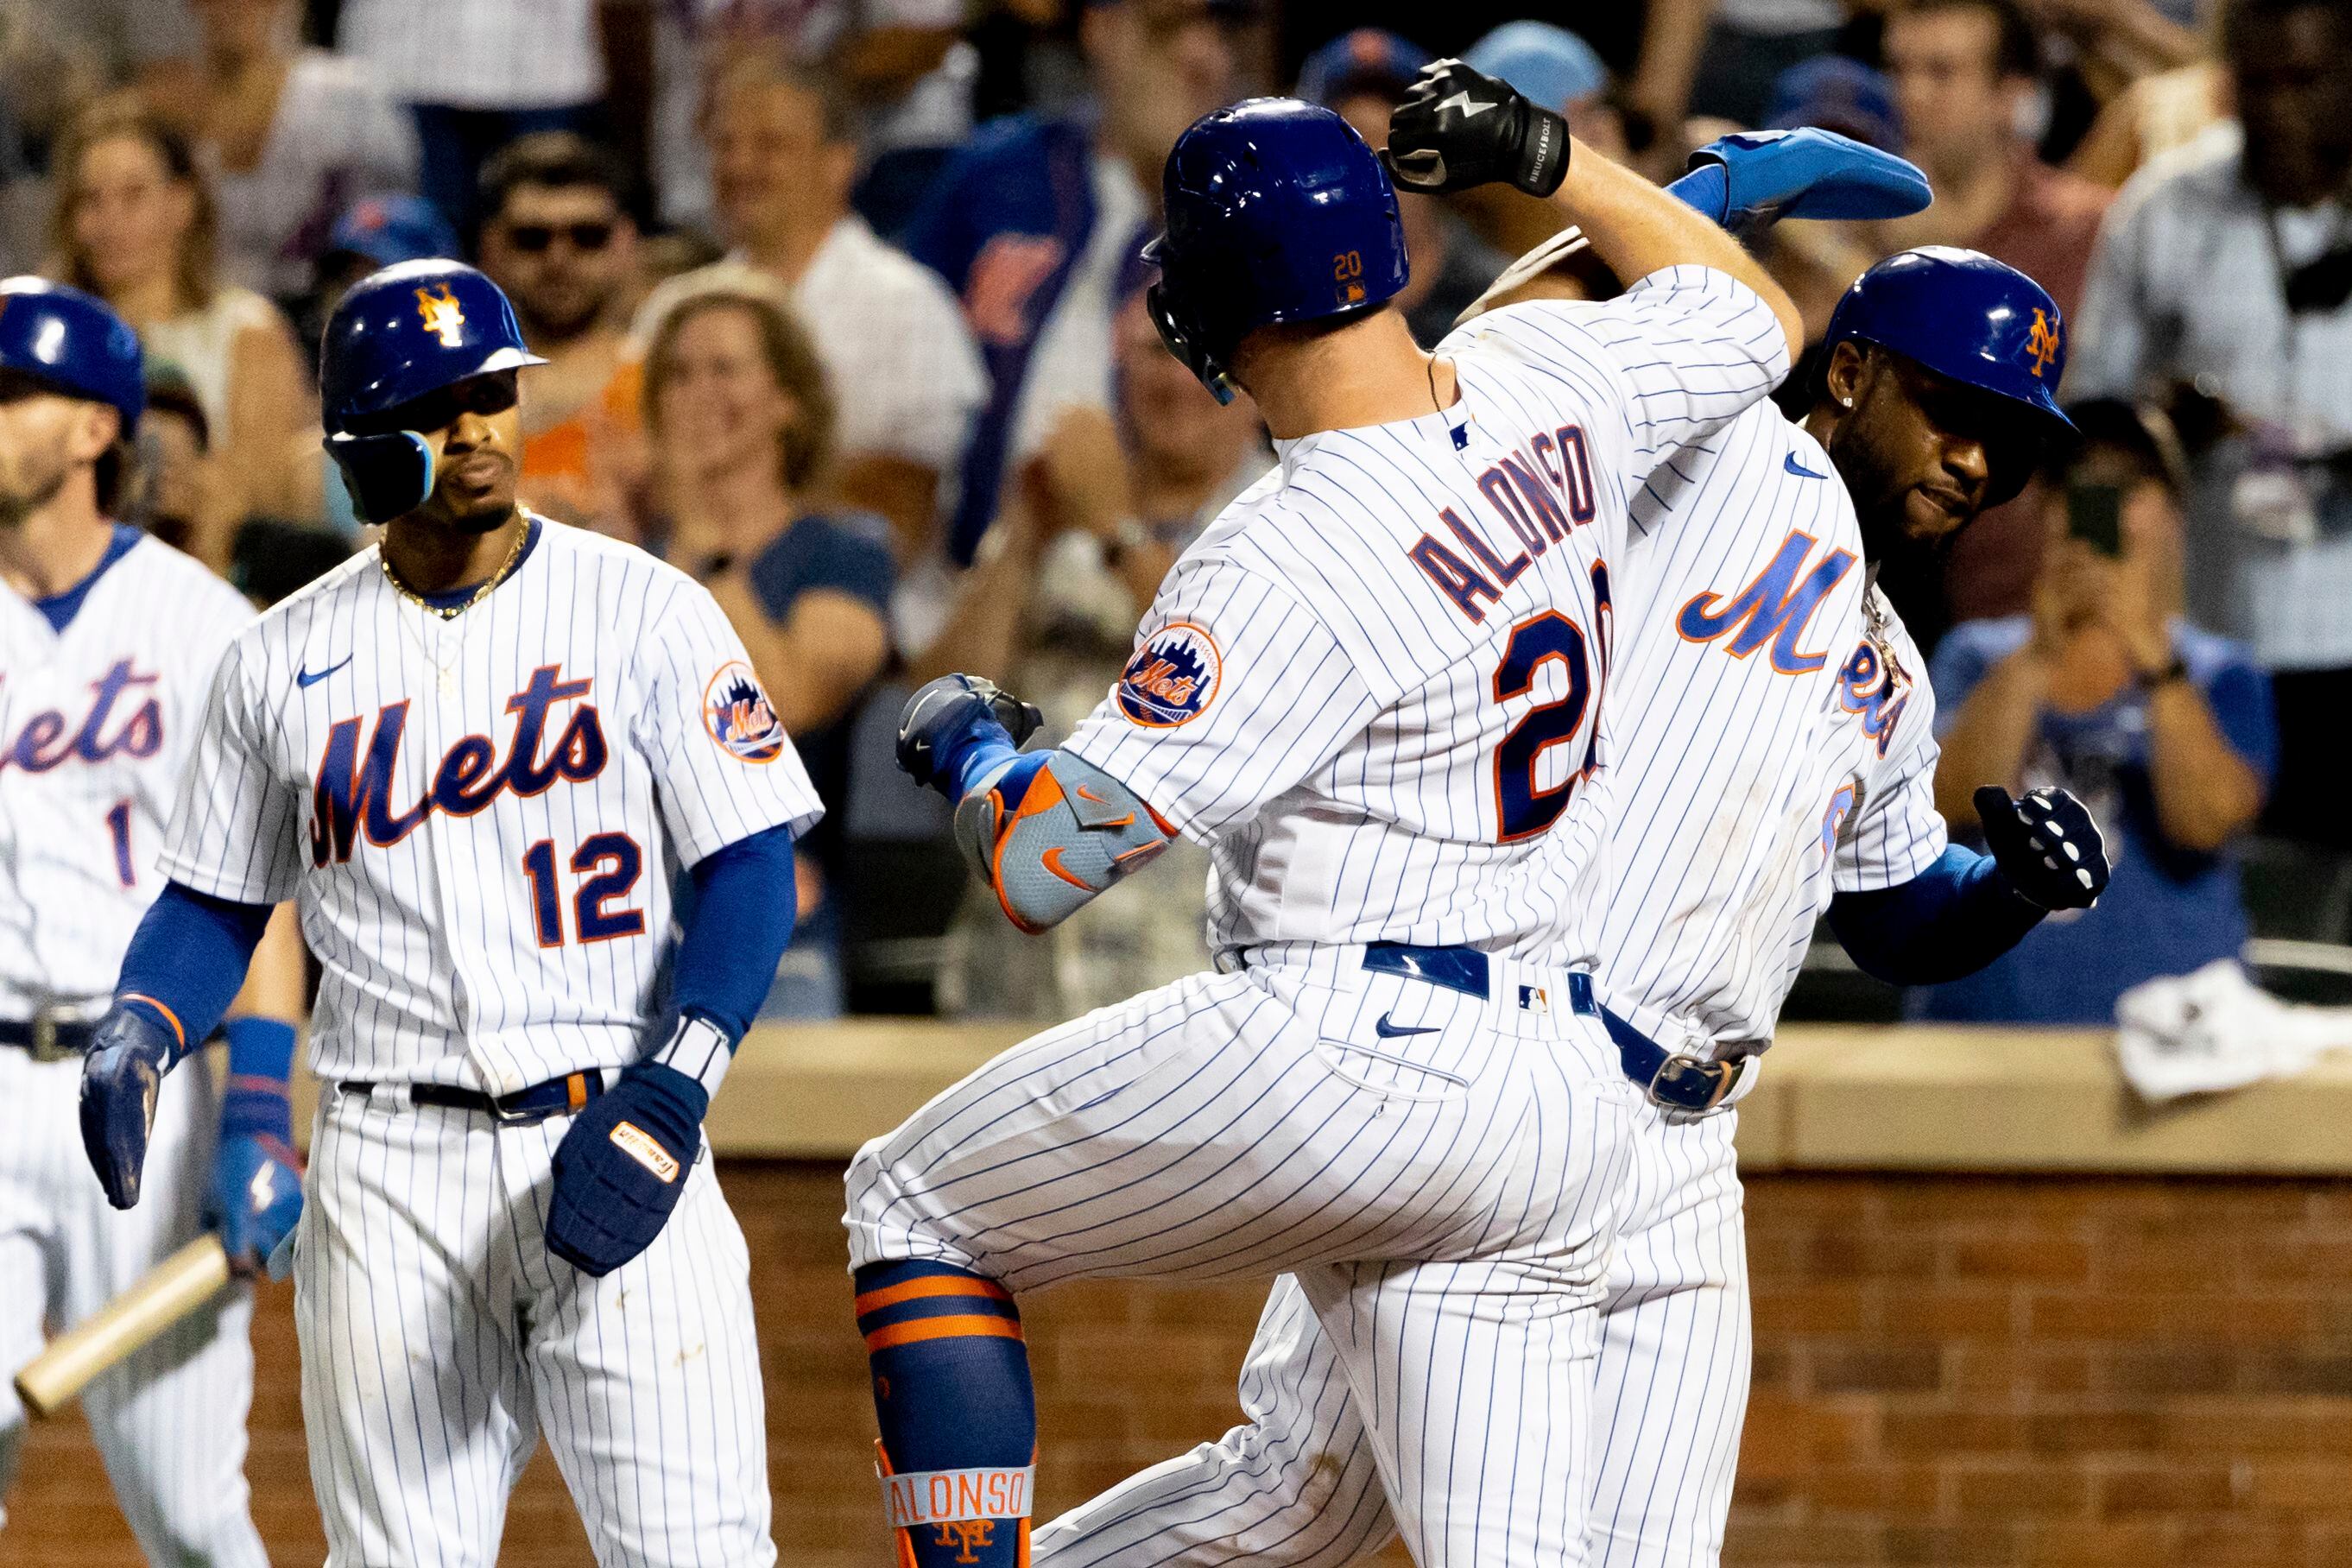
pixel 1051 831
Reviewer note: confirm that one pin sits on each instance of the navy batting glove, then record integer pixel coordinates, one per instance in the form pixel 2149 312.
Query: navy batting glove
pixel 622 1167
pixel 128 1054
pixel 947 717
pixel 256 1196
pixel 1753 178
pixel 2047 844
pixel 1459 128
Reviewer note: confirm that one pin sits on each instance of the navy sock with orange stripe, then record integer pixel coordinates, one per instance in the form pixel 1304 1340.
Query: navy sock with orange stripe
pixel 958 1413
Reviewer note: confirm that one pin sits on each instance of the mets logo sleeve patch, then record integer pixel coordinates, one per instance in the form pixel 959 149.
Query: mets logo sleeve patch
pixel 738 716
pixel 1173 677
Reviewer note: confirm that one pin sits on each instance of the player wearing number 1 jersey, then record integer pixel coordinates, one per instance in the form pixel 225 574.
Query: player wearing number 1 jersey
pixel 478 756
pixel 1373 688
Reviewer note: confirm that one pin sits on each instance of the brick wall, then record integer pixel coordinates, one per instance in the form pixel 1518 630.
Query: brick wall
pixel 2068 1374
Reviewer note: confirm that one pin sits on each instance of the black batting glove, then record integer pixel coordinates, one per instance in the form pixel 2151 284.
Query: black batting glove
pixel 1459 128
pixel 2046 845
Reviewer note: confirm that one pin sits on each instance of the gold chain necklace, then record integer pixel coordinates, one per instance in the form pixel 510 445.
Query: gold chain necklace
pixel 451 612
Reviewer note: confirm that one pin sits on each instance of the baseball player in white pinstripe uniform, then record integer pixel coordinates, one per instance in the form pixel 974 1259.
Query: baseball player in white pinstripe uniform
pixel 478 756
pixel 108 641
pixel 1778 740
pixel 1373 689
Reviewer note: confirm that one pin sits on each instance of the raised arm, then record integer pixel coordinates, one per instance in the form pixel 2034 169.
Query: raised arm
pixel 1462 128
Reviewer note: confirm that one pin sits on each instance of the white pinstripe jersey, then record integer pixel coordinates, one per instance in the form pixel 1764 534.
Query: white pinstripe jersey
pixel 1774 734
pixel 483 816
pixel 1371 687
pixel 97 721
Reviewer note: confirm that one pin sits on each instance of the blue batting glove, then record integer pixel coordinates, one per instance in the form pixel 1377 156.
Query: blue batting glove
pixel 256 1196
pixel 947 717
pixel 1753 178
pixel 2047 844
pixel 622 1167
pixel 132 1050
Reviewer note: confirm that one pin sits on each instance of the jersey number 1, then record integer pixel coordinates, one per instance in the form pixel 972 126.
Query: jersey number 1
pixel 611 864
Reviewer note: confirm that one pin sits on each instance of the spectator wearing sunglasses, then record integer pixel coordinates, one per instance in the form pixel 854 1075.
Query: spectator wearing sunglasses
pixel 557 237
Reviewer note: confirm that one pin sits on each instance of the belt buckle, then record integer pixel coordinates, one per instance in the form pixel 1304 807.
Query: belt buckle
pixel 1682 1072
pixel 46 1047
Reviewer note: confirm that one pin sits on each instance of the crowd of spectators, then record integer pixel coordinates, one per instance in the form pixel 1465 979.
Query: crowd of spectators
pixel 842 309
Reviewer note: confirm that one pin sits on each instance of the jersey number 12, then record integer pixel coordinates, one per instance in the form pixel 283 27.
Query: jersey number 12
pixel 609 865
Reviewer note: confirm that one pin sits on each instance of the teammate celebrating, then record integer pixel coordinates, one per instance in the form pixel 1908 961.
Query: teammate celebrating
pixel 107 642
pixel 476 754
pixel 1779 746
pixel 1372 689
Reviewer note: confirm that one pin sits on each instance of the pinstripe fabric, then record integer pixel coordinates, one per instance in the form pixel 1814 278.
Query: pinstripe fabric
pixel 1299 1483
pixel 437 968
pixel 1447 1196
pixel 1441 1172
pixel 440 1341
pixel 170 1421
pixel 96 722
pixel 1758 791
pixel 65 915
pixel 1343 769
pixel 1722 849
pixel 503 938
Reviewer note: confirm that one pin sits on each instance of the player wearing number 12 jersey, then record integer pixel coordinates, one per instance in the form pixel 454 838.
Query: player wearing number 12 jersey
pixel 1373 688
pixel 477 756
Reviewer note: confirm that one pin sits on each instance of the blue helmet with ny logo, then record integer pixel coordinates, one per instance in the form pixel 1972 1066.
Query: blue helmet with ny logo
pixel 1966 316
pixel 399 336
pixel 1277 214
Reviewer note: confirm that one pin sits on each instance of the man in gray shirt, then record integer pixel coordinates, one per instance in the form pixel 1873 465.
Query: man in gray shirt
pixel 2226 267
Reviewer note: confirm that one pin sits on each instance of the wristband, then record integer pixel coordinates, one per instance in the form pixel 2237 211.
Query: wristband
pixel 698 1048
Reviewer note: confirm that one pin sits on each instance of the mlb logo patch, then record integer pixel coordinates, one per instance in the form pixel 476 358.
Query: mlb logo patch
pixel 1534 999
pixel 739 716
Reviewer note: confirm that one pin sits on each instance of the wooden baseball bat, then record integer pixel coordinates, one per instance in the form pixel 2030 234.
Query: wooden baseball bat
pixel 164 1295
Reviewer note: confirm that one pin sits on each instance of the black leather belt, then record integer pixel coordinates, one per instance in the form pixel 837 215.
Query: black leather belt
pixel 557 1097
pixel 49 1039
pixel 1678 1078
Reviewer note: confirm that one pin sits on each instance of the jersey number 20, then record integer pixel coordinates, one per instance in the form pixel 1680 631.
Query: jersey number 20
pixel 1526 809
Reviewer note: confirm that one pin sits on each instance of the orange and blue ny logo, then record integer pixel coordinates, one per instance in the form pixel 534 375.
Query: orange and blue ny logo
pixel 445 320
pixel 2041 342
pixel 964 1534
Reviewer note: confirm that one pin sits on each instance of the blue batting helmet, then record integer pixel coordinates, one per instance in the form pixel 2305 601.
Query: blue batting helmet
pixel 73 344
pixel 1966 316
pixel 399 335
pixel 1277 212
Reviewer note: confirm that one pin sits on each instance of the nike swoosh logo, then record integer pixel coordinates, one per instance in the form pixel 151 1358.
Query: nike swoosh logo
pixel 1798 469
pixel 1389 1031
pixel 1462 101
pixel 305 679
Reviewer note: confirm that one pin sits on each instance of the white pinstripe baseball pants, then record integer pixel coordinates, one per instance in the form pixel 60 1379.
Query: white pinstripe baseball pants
pixel 439 1340
pixel 170 1421
pixel 1440 1173
pixel 1296 1484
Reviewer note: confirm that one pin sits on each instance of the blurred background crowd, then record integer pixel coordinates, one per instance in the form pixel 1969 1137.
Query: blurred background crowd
pixel 843 307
